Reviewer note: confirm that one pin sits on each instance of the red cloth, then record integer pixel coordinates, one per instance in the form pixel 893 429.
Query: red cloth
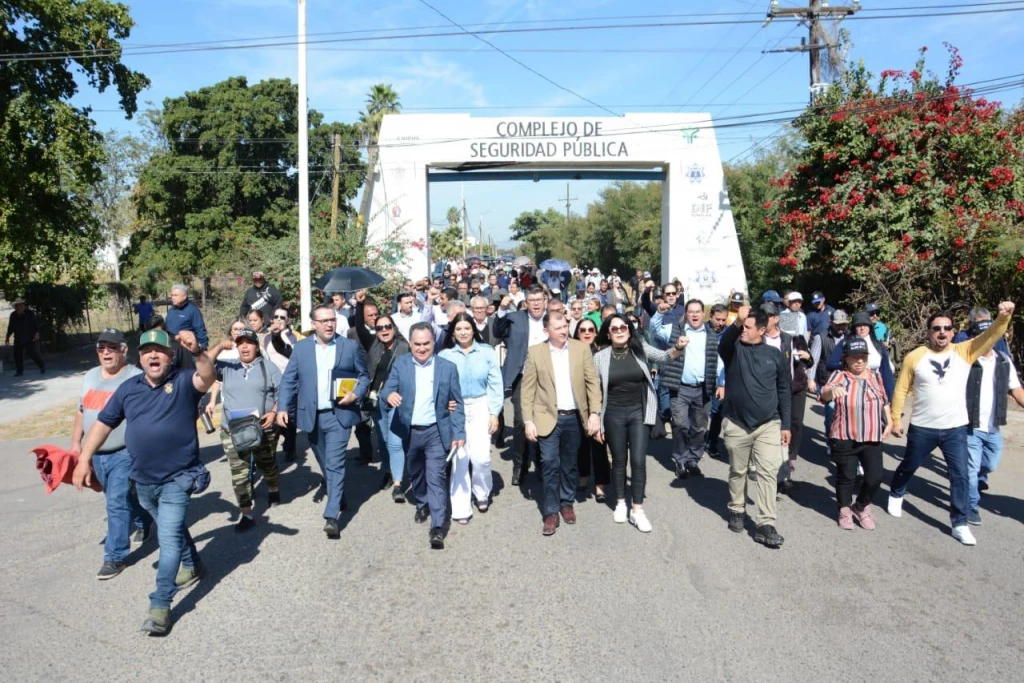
pixel 56 466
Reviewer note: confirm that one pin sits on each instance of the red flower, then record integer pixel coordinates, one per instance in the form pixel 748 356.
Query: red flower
pixel 1020 265
pixel 959 242
pixel 902 189
pixel 893 267
pixel 906 239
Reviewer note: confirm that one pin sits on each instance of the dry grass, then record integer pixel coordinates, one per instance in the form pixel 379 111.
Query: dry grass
pixel 56 421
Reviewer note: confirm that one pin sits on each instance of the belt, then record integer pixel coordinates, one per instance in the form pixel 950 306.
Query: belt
pixel 116 450
pixel 567 412
pixel 420 428
pixel 325 410
pixel 692 386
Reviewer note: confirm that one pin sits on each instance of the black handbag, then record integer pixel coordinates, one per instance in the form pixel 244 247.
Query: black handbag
pixel 247 432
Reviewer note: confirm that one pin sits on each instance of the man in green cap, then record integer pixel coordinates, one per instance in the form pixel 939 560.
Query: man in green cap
pixel 159 409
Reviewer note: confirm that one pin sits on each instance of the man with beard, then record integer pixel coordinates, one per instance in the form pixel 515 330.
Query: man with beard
pixel 260 297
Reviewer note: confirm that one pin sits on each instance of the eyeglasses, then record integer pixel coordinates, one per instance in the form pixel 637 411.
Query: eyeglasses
pixel 667 293
pixel 107 347
pixel 280 317
pixel 588 330
pixel 385 326
pixel 618 328
pixel 942 328
pixel 326 321
pixel 577 308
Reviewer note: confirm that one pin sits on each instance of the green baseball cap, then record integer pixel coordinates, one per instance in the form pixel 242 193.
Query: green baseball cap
pixel 158 337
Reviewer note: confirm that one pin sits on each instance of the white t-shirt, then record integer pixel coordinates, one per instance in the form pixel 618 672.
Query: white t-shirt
pixel 987 400
pixel 940 388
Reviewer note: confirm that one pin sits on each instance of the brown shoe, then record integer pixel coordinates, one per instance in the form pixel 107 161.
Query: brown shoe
pixel 550 524
pixel 568 514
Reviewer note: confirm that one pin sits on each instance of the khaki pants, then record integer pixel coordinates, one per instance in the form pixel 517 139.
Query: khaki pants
pixel 761 448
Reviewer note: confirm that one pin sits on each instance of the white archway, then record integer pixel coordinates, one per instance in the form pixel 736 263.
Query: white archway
pixel 698 236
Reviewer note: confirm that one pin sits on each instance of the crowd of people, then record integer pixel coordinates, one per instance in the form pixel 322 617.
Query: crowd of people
pixel 592 368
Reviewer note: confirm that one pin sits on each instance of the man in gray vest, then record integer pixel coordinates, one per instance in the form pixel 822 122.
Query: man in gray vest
pixel 690 380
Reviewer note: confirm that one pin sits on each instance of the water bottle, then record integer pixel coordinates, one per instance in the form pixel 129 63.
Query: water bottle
pixel 207 423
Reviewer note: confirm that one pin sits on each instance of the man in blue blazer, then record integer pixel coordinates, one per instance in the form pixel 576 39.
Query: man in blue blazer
pixel 420 388
pixel 315 363
pixel 520 330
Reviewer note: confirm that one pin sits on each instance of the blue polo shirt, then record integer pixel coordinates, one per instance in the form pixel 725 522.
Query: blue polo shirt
pixel 160 425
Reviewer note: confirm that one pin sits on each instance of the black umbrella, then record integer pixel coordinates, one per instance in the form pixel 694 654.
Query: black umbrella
pixel 348 279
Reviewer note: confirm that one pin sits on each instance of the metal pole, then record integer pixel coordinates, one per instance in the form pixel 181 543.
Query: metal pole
pixel 305 291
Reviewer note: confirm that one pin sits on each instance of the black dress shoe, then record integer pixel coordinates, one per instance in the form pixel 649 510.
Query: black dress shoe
pixel 244 524
pixel 785 486
pixel 693 470
pixel 437 538
pixel 516 476
pixel 331 529
pixel 397 495
pixel 273 498
pixel 681 472
pixel 422 514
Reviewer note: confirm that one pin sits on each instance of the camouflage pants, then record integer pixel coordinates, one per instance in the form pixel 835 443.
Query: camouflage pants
pixel 266 462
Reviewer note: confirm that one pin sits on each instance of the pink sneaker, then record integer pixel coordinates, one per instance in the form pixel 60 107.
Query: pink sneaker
pixel 845 519
pixel 863 517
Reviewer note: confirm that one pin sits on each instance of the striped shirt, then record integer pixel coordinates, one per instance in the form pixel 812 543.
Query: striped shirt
pixel 860 415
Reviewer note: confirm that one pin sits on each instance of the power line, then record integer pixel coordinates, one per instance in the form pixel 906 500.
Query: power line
pixel 121 52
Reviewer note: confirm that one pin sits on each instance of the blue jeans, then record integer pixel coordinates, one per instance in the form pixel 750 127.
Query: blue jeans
pixel 168 504
pixel 388 442
pixel 921 441
pixel 559 469
pixel 124 514
pixel 984 449
pixel 830 414
pixel 664 400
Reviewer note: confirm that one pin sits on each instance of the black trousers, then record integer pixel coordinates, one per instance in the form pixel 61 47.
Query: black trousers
pixel 364 437
pixel 591 451
pixel 627 435
pixel 714 430
pixel 524 451
pixel 33 352
pixel 796 422
pixel 847 454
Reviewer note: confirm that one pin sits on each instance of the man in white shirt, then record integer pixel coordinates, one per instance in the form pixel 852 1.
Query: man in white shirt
pixel 560 392
pixel 408 315
pixel 937 375
pixel 992 380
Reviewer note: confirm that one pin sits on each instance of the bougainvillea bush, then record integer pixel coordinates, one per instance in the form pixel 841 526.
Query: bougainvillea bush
pixel 912 187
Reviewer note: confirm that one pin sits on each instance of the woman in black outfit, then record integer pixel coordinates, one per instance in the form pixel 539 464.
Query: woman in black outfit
pixel 590 450
pixel 625 374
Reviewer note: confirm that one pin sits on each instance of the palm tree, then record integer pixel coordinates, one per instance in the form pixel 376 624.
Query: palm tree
pixel 454 216
pixel 380 100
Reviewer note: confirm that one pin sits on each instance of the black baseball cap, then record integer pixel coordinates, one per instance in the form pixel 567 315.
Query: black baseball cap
pixel 247 335
pixel 855 346
pixel 860 318
pixel 111 336
pixel 736 298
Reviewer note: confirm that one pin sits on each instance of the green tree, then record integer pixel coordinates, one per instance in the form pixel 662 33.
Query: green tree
pixel 50 150
pixel 446 244
pixel 623 229
pixel 911 186
pixel 113 201
pixel 545 233
pixel 225 181
pixel 380 101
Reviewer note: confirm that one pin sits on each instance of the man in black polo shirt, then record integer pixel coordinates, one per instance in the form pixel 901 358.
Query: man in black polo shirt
pixel 756 419
pixel 159 409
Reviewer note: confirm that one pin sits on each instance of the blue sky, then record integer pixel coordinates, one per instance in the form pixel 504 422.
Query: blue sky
pixel 718 69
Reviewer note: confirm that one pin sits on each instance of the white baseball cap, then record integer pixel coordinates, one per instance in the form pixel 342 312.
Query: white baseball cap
pixel 794 296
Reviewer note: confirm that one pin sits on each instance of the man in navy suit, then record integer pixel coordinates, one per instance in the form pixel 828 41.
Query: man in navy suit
pixel 520 330
pixel 315 363
pixel 420 388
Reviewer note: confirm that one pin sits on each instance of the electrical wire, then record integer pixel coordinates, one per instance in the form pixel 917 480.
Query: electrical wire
pixel 120 52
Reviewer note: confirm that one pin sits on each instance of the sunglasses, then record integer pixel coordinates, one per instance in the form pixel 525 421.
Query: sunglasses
pixel 669 293
pixel 942 328
pixel 618 328
pixel 280 317
pixel 588 330
pixel 107 347
pixel 327 321
pixel 385 326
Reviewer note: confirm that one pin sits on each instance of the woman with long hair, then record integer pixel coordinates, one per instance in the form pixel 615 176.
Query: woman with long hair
pixel 592 456
pixel 484 396
pixel 624 370
pixel 388 344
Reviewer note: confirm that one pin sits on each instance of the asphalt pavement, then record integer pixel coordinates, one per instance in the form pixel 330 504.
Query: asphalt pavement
pixel 597 601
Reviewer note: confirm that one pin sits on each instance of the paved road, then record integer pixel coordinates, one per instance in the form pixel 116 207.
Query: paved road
pixel 598 601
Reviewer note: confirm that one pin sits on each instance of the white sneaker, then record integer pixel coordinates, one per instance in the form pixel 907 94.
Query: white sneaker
pixel 895 507
pixel 638 518
pixel 963 534
pixel 620 514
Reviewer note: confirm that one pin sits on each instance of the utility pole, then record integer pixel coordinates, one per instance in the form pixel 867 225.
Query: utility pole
pixel 334 188
pixel 812 15
pixel 305 279
pixel 568 202
pixel 465 221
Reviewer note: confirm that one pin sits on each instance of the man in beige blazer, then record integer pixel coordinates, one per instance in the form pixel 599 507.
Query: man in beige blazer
pixel 560 390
